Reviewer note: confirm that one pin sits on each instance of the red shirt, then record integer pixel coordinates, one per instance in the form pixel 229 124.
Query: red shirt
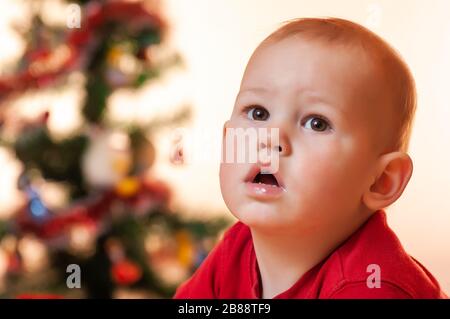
pixel 231 269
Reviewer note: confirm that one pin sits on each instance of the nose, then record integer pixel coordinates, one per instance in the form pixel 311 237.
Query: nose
pixel 277 139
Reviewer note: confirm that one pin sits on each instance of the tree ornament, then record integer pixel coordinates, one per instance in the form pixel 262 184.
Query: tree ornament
pixel 128 187
pixel 107 159
pixel 126 272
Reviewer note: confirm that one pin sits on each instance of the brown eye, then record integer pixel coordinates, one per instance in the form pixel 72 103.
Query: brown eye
pixel 257 113
pixel 317 124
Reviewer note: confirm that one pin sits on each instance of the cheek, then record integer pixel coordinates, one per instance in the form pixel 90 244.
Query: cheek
pixel 225 176
pixel 331 169
pixel 230 176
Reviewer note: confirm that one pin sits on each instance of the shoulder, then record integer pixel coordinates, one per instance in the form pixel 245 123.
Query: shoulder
pixel 208 279
pixel 375 254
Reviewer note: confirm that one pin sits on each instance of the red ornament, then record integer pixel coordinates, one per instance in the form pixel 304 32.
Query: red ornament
pixel 126 272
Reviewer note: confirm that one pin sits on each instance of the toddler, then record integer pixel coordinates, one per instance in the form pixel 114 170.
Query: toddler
pixel 336 103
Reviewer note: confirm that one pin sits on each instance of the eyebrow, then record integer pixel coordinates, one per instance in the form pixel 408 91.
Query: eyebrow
pixel 253 90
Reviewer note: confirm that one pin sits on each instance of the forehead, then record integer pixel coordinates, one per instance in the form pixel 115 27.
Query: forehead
pixel 294 65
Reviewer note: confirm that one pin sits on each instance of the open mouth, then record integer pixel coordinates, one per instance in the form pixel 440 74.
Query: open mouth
pixel 262 185
pixel 258 176
pixel 268 179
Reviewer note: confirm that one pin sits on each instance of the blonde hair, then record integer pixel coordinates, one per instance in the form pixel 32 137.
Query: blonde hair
pixel 397 74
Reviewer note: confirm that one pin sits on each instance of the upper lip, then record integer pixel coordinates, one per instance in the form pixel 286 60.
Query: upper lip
pixel 256 169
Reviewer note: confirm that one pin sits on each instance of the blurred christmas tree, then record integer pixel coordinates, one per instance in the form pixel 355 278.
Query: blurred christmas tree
pixel 114 222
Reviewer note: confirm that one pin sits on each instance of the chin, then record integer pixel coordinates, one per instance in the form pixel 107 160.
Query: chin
pixel 260 215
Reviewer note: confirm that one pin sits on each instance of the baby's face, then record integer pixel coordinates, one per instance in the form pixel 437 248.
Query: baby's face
pixel 325 102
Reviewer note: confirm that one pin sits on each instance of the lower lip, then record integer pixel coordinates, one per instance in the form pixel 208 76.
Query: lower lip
pixel 264 191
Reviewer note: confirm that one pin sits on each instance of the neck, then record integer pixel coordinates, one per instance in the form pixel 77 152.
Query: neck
pixel 283 257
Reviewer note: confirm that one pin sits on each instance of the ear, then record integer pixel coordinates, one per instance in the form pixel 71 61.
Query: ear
pixel 392 175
